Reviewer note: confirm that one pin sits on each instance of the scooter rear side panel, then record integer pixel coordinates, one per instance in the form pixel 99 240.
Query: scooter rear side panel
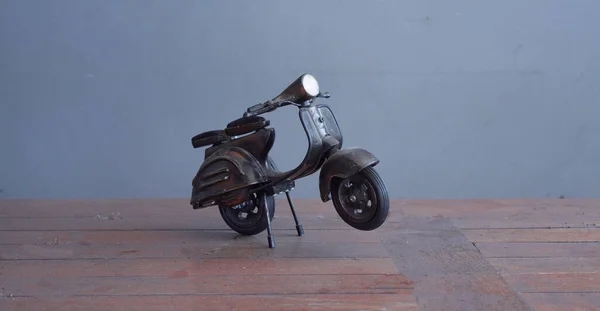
pixel 226 170
pixel 258 144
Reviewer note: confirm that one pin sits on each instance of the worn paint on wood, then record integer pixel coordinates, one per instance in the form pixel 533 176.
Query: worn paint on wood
pixel 218 266
pixel 539 249
pixel 180 283
pixel 534 235
pixel 194 237
pixel 159 254
pixel 555 282
pixel 547 264
pixel 342 302
pixel 448 270
pixel 563 301
pixel 243 249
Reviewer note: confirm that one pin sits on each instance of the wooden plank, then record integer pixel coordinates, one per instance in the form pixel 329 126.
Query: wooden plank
pixel 565 249
pixel 153 208
pixel 466 213
pixel 404 302
pixel 254 248
pixel 118 237
pixel 156 207
pixel 176 208
pixel 563 301
pixel 208 285
pixel 554 282
pixel 588 217
pixel 198 221
pixel 146 222
pixel 194 237
pixel 448 271
pixel 92 207
pixel 184 267
pixel 534 213
pixel 181 207
pixel 533 235
pixel 547 265
pixel 213 221
pixel 145 214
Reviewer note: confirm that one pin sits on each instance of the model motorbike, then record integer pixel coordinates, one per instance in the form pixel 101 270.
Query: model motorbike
pixel 240 177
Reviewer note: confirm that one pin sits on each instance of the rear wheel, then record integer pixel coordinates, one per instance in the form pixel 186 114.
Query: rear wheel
pixel 248 218
pixel 361 200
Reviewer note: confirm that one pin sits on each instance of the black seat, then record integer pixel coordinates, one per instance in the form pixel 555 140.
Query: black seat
pixel 209 138
pixel 246 125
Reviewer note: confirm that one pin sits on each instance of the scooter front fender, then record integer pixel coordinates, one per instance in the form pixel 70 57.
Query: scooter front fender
pixel 343 164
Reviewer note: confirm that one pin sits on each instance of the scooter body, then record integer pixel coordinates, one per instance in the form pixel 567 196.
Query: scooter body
pixel 238 171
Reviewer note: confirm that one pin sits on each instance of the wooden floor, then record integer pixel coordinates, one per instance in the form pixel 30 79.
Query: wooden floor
pixel 430 255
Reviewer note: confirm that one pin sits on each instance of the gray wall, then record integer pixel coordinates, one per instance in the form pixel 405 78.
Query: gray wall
pixel 459 99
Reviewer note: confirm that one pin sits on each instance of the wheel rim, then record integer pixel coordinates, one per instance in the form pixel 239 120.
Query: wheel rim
pixel 247 214
pixel 357 198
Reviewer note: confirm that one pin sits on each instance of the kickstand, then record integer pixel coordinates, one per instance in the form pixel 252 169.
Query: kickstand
pixel 299 227
pixel 270 236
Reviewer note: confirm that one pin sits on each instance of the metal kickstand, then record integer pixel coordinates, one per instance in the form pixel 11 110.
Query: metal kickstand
pixel 270 236
pixel 299 227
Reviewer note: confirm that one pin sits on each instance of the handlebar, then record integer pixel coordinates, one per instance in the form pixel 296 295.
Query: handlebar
pixel 269 106
pixel 260 109
pixel 265 107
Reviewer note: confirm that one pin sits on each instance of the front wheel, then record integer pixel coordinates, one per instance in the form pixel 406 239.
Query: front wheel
pixel 361 200
pixel 248 218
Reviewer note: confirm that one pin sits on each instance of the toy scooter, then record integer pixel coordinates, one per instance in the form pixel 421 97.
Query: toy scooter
pixel 239 176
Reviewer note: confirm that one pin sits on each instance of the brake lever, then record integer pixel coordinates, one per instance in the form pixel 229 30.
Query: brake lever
pixel 324 95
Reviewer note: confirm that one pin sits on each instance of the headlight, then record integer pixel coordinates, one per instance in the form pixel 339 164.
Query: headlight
pixel 310 85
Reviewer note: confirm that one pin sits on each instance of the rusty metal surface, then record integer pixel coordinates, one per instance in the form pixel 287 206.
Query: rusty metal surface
pixel 343 164
pixel 322 131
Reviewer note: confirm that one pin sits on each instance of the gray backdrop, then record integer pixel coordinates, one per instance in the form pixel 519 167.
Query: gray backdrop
pixel 459 99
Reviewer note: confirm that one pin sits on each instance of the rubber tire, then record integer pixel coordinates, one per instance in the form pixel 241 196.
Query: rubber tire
pixel 260 226
pixel 381 209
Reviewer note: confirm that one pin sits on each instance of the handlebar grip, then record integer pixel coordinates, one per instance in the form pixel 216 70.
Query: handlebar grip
pixel 256 107
pixel 263 109
pixel 260 108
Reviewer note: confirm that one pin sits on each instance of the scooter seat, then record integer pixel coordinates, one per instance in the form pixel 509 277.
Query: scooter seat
pixel 209 138
pixel 246 125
